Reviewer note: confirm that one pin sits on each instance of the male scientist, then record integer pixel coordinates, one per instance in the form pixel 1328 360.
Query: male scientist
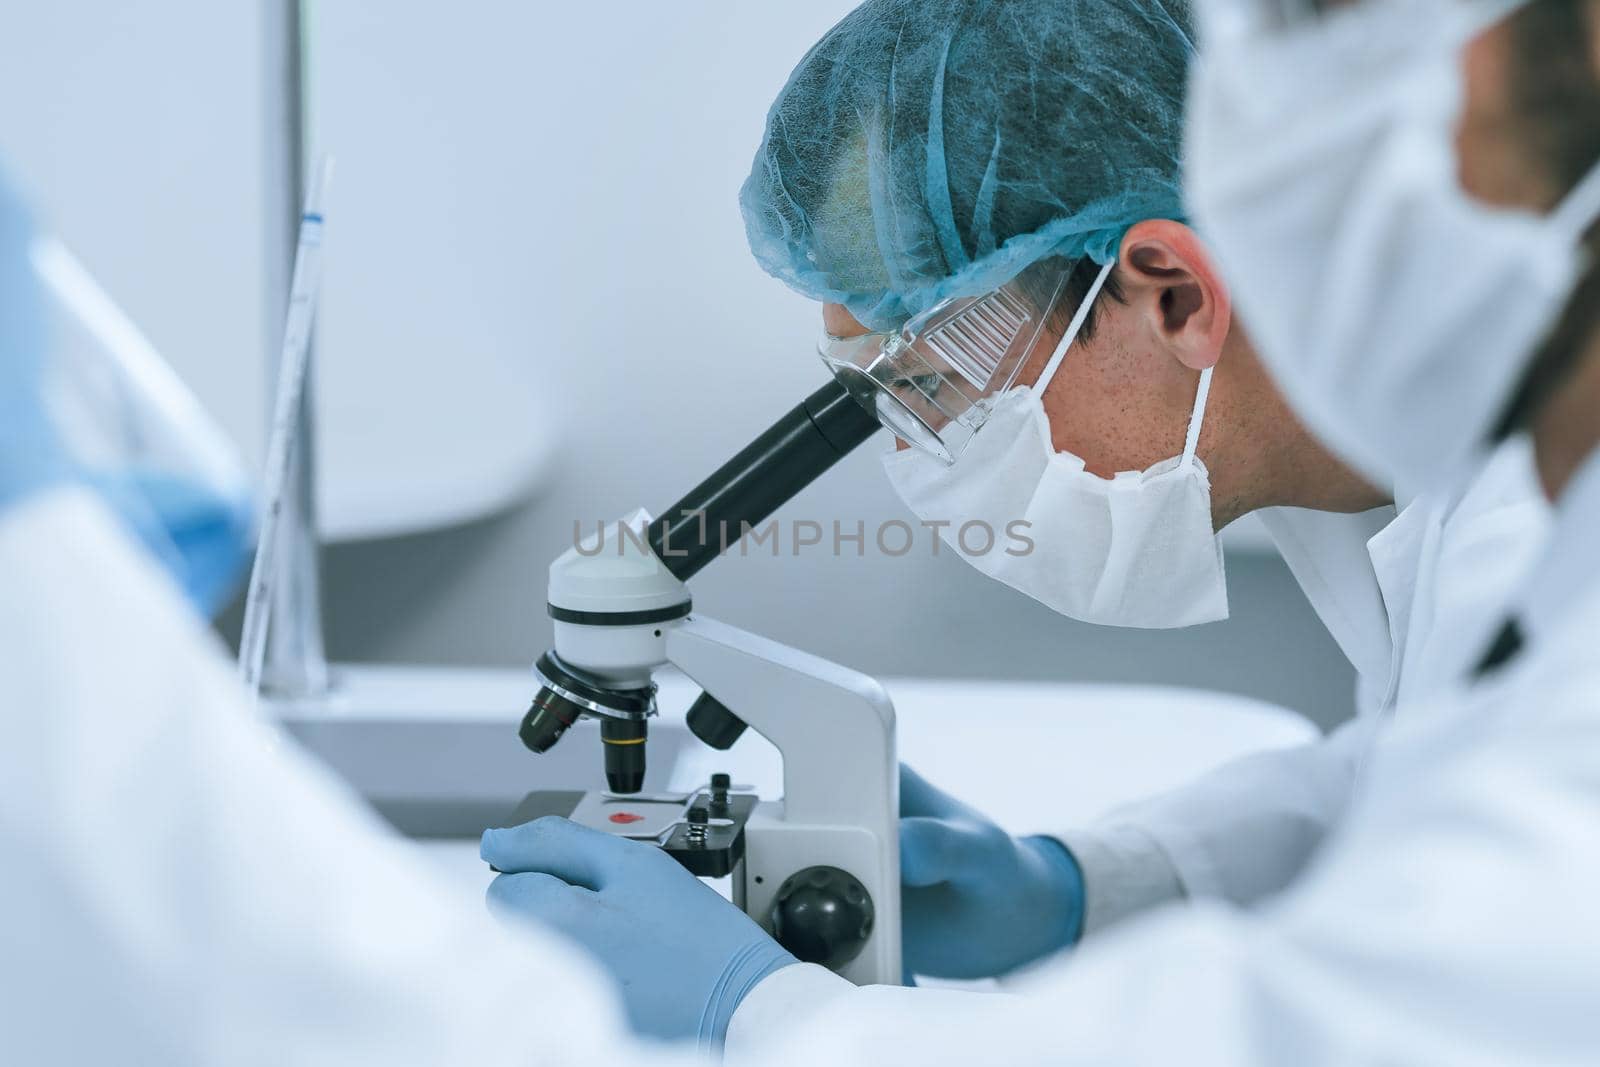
pixel 1030 149
pixel 1447 919
pixel 1033 147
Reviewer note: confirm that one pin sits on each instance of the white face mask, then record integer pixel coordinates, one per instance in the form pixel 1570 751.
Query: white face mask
pixel 1396 313
pixel 1134 550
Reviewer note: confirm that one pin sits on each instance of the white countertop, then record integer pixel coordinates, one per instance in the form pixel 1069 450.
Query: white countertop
pixel 1040 756
pixel 1034 756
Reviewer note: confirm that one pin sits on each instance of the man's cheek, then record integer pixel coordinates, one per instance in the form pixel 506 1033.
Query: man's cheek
pixel 1481 147
pixel 1495 160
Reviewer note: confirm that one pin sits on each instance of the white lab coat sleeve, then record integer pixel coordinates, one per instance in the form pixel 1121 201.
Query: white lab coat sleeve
pixel 183 886
pixel 1239 833
pixel 1125 871
pixel 1449 921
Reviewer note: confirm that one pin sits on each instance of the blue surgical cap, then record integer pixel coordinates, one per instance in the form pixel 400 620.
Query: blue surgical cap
pixel 926 149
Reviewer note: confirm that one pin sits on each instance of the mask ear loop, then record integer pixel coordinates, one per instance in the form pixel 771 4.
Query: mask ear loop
pixel 1079 317
pixel 1197 416
pixel 1579 208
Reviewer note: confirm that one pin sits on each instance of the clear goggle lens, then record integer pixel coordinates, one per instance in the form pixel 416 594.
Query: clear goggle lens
pixel 933 382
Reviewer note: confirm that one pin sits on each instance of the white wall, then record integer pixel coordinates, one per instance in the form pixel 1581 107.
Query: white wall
pixel 556 184
pixel 559 182
pixel 138 128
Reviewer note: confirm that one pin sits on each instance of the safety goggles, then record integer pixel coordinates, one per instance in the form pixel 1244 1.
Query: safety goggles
pixel 933 382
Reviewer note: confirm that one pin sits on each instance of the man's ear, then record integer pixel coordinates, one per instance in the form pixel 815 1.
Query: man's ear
pixel 1171 283
pixel 838 322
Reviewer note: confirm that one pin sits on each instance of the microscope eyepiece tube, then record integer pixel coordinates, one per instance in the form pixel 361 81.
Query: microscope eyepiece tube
pixel 820 431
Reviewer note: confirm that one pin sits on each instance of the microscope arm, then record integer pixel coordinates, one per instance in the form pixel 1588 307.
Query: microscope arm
pixel 835 730
pixel 834 726
pixel 821 866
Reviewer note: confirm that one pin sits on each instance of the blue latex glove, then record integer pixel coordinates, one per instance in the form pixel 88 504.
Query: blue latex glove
pixel 975 901
pixel 684 956
pixel 31 455
pixel 201 537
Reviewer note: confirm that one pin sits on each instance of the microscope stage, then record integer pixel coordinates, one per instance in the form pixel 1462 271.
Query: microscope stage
pixel 655 818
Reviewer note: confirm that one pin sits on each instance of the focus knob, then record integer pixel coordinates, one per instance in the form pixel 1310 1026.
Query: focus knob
pixel 823 915
pixel 713 723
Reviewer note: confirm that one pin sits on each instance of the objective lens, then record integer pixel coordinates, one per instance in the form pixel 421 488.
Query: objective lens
pixel 624 744
pixel 547 719
pixel 567 695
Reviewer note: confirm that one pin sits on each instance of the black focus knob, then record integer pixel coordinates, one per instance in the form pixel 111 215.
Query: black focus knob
pixel 823 915
pixel 713 723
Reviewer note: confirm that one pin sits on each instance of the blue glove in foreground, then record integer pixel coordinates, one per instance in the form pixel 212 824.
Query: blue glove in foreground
pixel 685 956
pixel 201 536
pixel 977 902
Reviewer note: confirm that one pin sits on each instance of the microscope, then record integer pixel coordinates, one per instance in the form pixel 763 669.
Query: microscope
pixel 818 868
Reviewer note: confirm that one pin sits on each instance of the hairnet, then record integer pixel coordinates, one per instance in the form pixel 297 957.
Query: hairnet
pixel 925 149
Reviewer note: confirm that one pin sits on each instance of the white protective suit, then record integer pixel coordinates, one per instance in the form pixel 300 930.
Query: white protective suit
pixel 1412 600
pixel 1448 920
pixel 182 886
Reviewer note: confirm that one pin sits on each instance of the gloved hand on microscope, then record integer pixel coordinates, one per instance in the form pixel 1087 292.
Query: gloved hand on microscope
pixel 684 956
pixel 977 903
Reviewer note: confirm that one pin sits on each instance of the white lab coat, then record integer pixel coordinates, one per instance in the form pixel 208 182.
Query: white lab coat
pixel 182 886
pixel 1412 600
pixel 1448 920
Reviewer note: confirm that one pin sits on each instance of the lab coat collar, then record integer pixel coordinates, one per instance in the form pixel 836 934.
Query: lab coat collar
pixel 1398 553
pixel 1567 570
pixel 1328 555
pixel 1412 599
